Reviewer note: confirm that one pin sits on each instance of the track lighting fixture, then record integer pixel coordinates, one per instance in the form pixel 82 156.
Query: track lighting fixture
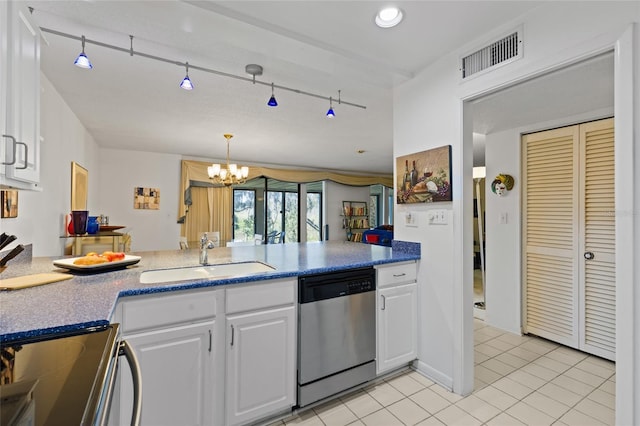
pixel 272 100
pixel 252 69
pixel 186 81
pixel 82 61
pixel 330 112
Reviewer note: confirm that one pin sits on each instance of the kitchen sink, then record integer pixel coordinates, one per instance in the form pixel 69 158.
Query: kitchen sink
pixel 226 270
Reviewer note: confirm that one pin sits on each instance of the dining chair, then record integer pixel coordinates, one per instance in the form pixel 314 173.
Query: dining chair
pixel 183 243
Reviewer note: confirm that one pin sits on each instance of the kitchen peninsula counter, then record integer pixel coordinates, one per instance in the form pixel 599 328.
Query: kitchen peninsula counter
pixel 88 300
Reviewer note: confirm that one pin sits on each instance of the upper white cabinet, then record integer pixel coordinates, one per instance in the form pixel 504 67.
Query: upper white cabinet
pixel 397 316
pixel 19 98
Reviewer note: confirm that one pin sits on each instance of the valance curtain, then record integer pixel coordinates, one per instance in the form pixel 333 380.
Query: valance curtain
pixel 194 179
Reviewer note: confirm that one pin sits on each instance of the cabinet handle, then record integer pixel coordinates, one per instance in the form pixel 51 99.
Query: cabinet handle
pixel 232 334
pixel 384 302
pixel 210 340
pixel 399 275
pixel 13 149
pixel 26 155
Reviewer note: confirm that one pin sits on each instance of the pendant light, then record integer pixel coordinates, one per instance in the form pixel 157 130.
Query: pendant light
pixel 272 100
pixel 82 61
pixel 186 81
pixel 330 112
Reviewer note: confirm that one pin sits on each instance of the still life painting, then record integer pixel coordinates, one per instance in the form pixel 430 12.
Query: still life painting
pixel 146 198
pixel 424 177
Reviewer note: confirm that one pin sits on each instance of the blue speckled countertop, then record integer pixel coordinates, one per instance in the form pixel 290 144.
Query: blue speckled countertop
pixel 89 300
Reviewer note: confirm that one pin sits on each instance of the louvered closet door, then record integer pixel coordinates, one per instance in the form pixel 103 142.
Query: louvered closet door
pixel 598 244
pixel 550 228
pixel 569 236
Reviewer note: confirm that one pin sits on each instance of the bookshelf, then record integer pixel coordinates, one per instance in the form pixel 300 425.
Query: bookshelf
pixel 355 219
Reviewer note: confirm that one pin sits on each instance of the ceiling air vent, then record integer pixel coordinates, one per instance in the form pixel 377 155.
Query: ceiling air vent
pixel 500 52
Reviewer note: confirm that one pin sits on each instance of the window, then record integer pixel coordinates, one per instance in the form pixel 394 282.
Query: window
pixel 314 217
pixel 244 213
pixel 266 206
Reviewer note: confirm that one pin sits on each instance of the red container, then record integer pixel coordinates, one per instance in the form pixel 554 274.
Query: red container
pixel 372 238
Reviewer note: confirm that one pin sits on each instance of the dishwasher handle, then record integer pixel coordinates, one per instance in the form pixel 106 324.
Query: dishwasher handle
pixel 134 364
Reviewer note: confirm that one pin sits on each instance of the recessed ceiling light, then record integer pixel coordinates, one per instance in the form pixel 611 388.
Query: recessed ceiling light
pixel 388 17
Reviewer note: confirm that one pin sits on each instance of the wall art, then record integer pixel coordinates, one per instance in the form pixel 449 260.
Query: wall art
pixel 424 177
pixel 9 203
pixel 146 198
pixel 79 186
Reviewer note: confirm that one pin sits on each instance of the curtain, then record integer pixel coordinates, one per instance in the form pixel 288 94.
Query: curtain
pixel 211 210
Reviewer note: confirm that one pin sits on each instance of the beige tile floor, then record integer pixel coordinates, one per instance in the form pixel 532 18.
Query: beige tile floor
pixel 519 380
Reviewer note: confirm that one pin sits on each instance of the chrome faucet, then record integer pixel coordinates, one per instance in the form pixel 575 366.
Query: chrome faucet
pixel 205 244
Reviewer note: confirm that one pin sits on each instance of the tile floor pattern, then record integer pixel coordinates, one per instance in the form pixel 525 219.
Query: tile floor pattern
pixel 519 380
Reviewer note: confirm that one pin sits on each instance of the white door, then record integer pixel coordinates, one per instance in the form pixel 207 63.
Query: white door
pixel 397 326
pixel 597 246
pixel 176 366
pixel 568 236
pixel 260 364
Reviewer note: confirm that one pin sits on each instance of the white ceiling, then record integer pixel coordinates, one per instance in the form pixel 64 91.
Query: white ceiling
pixel 315 46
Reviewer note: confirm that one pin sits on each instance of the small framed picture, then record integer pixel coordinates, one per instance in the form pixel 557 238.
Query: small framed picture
pixel 9 203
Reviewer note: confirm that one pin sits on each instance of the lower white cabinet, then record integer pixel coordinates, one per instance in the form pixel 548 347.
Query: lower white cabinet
pixel 397 317
pixel 260 364
pixel 224 356
pixel 176 365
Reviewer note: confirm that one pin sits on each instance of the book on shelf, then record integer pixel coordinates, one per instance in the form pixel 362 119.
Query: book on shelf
pixel 355 211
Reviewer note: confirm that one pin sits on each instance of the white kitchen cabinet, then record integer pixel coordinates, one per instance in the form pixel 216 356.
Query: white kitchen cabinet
pixel 176 365
pixel 261 351
pixel 19 98
pixel 176 342
pixel 397 316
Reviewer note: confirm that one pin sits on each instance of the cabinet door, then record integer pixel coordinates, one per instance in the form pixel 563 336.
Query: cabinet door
pixel 260 364
pixel 23 97
pixel 397 326
pixel 176 366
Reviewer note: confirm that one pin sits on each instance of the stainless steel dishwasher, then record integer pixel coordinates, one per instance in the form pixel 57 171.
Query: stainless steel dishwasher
pixel 337 332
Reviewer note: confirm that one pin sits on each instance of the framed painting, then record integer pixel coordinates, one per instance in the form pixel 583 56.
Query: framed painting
pixel 424 177
pixel 9 203
pixel 146 198
pixel 79 186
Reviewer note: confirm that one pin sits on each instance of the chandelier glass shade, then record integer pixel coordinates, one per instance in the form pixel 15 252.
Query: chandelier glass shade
pixel 229 174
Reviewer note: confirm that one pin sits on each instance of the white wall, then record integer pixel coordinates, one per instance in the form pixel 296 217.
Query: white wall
pixel 40 218
pixel 428 112
pixel 334 195
pixel 121 172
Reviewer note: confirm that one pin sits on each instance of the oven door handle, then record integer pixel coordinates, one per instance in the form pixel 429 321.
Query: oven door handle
pixel 134 364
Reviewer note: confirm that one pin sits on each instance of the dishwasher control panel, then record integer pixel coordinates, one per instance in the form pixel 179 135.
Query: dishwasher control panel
pixel 317 287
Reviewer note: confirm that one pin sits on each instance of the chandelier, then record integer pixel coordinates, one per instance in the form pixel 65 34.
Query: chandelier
pixel 229 175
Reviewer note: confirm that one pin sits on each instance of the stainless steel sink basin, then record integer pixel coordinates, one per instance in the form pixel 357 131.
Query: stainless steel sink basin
pixel 226 270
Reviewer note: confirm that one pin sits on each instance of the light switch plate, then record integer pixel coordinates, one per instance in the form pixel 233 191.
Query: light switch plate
pixel 438 217
pixel 410 219
pixel 503 218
